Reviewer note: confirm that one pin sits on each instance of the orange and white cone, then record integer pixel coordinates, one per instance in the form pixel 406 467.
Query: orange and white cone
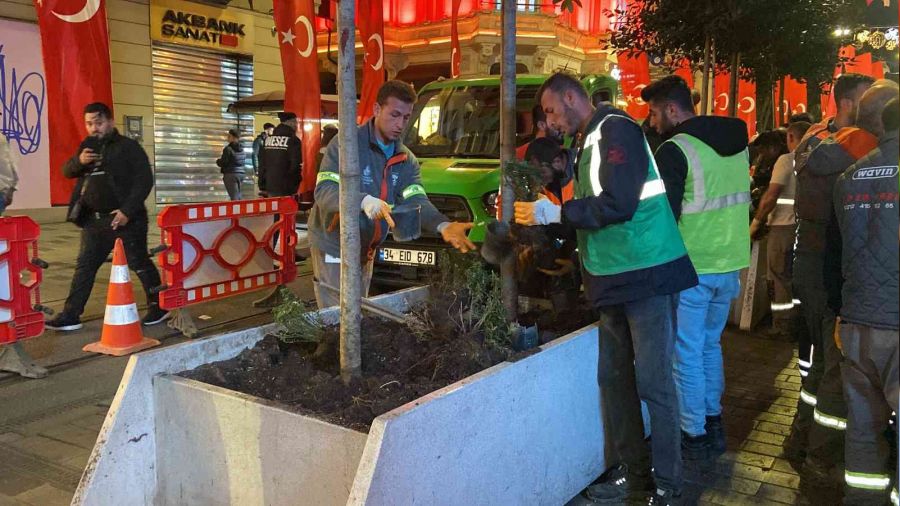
pixel 121 324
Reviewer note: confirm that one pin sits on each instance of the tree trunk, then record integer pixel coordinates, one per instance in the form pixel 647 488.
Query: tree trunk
pixel 733 96
pixel 784 112
pixel 509 288
pixel 813 99
pixel 765 114
pixel 704 93
pixel 351 268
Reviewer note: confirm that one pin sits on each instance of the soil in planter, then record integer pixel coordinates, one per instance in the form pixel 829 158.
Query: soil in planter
pixel 397 368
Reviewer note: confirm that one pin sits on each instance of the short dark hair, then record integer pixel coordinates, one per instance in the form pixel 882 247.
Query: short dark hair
pixel 890 117
pixel 847 83
pixel 672 89
pixel 544 149
pixel 400 90
pixel 798 128
pixel 98 107
pixel 800 117
pixel 561 82
pixel 267 126
pixel 234 133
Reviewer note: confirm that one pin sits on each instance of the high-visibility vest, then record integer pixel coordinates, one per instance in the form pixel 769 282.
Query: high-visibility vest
pixel 567 191
pixel 716 207
pixel 648 239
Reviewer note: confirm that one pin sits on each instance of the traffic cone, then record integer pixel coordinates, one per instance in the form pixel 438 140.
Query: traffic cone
pixel 121 324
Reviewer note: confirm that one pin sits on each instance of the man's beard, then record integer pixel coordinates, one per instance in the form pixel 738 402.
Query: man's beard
pixel 569 114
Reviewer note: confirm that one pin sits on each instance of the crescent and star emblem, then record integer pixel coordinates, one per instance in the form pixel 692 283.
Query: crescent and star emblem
pixel 377 38
pixel 288 36
pixel 85 14
pixel 801 108
pixel 725 96
pixel 637 99
pixel 751 107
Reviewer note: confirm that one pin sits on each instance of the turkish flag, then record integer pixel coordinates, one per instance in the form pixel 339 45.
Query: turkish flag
pixel 299 62
pixel 75 45
pixel 685 72
pixel 794 101
pixel 746 98
pixel 370 21
pixel 634 74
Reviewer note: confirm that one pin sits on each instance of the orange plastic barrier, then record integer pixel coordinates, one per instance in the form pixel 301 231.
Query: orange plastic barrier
pixel 20 279
pixel 216 250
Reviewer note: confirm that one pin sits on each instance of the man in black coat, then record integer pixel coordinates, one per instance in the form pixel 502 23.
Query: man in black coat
pixel 279 174
pixel 231 164
pixel 114 179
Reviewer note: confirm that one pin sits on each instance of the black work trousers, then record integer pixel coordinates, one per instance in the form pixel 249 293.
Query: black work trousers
pixel 97 241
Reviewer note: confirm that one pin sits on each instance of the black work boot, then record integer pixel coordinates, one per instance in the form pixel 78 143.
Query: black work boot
pixel 694 447
pixel 664 498
pixel 715 434
pixel 794 449
pixel 618 485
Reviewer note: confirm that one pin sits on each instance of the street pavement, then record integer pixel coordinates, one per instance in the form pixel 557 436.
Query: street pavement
pixel 48 426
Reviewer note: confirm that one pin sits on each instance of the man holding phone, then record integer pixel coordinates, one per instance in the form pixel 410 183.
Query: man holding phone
pixel 114 179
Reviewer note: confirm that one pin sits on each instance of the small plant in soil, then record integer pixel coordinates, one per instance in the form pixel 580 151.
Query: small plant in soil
pixel 300 323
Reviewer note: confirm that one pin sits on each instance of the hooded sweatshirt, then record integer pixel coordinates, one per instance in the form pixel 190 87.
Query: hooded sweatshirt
pixel 727 136
pixel 817 229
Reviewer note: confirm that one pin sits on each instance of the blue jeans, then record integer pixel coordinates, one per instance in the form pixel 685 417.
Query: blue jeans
pixel 699 378
pixel 636 341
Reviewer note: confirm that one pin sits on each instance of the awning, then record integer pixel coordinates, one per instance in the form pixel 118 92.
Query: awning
pixel 273 101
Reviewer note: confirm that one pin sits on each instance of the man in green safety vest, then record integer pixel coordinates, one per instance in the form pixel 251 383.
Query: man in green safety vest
pixel 634 264
pixel 705 165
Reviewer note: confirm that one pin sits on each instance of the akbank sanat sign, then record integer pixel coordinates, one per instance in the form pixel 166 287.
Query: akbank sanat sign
pixel 191 24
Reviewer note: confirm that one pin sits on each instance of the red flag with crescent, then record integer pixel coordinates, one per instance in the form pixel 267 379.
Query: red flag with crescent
pixel 634 76
pixel 75 46
pixel 370 21
pixel 794 99
pixel 746 100
pixel 299 62
pixel 455 50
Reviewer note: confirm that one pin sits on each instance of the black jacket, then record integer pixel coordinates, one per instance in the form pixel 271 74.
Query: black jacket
pixel 232 159
pixel 625 156
pixel 279 172
pixel 865 201
pixel 127 167
pixel 727 136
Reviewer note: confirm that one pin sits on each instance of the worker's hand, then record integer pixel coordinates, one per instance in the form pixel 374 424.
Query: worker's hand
pixel 755 229
pixel 541 212
pixel 565 267
pixel 377 209
pixel 119 219
pixel 456 235
pixel 88 157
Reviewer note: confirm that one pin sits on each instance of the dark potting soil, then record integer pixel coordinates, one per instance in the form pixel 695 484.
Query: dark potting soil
pixel 397 369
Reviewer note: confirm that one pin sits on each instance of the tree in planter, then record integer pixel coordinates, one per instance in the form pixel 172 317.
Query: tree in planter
pixel 351 270
pixel 773 39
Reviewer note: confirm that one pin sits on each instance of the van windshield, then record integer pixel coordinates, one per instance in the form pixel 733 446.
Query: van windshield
pixel 464 122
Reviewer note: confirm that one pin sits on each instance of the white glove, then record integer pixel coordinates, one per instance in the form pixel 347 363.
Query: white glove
pixel 373 207
pixel 546 212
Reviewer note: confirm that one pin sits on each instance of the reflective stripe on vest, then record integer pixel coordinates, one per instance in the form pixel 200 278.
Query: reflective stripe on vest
pixel 700 203
pixel 867 481
pixel 328 176
pixel 785 202
pixel 650 189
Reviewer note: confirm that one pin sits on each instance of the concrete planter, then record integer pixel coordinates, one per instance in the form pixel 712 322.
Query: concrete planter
pixel 526 432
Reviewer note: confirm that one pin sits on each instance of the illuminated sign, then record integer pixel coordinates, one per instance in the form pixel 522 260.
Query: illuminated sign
pixel 202 26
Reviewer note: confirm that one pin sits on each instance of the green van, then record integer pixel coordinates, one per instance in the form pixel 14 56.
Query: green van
pixel 455 134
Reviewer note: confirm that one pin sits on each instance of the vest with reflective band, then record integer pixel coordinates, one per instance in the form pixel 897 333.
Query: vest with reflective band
pixel 716 207
pixel 648 239
pixel 567 192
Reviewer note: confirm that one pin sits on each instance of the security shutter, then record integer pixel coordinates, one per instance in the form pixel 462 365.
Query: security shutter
pixel 192 89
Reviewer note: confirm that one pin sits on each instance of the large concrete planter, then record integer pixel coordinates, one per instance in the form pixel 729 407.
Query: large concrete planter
pixel 525 432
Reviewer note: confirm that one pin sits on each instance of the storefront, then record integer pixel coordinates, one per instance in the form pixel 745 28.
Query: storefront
pixel 201 63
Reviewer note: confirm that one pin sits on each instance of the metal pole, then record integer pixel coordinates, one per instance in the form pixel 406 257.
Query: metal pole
pixel 704 92
pixel 351 267
pixel 508 287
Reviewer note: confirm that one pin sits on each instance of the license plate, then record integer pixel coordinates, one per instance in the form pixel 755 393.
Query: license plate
pixel 406 256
